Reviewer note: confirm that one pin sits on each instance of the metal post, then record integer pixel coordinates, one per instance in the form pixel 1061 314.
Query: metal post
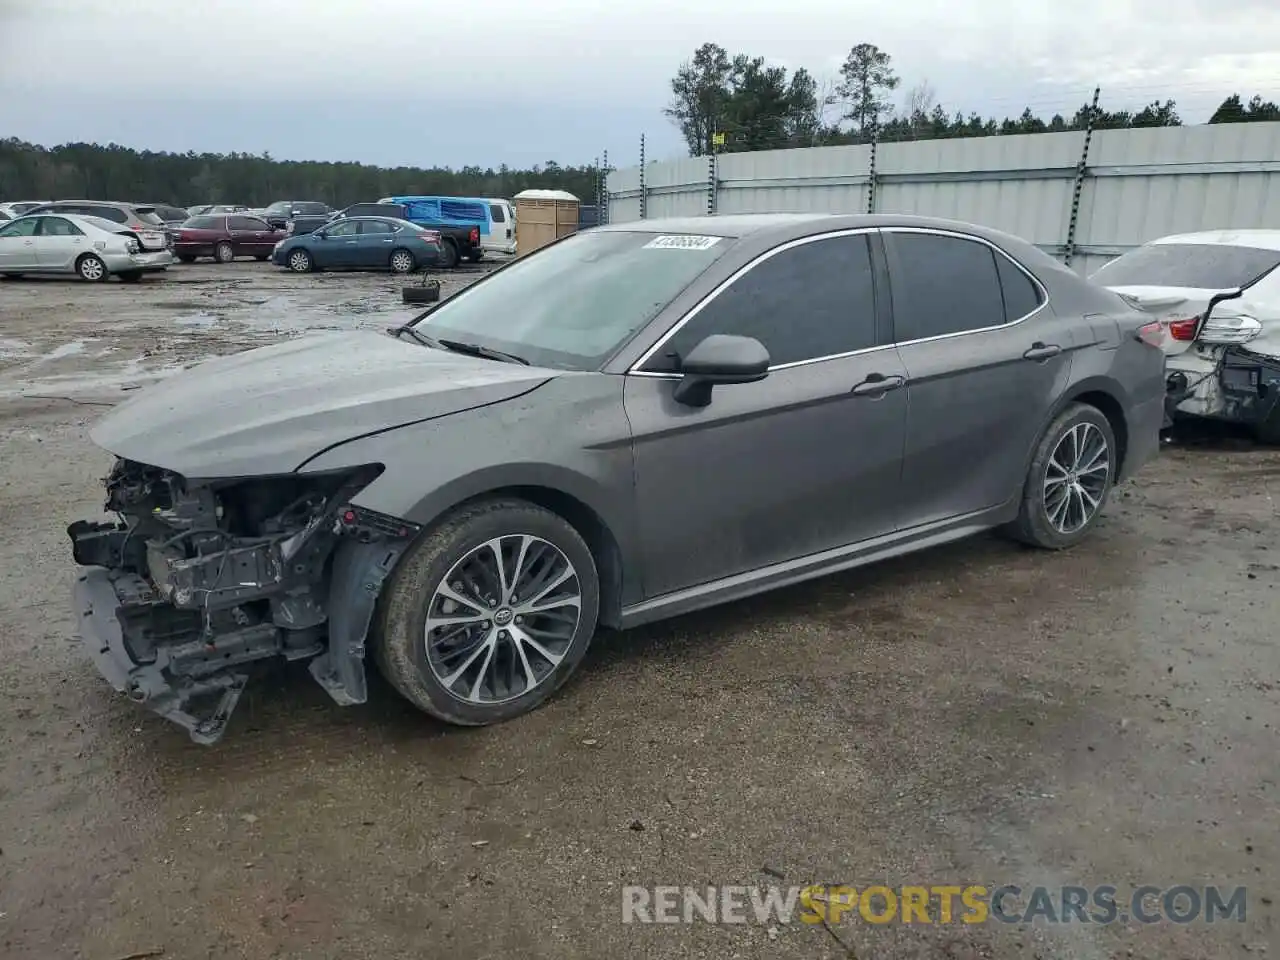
pixel 1069 248
pixel 871 169
pixel 642 196
pixel 604 209
pixel 711 183
pixel 599 175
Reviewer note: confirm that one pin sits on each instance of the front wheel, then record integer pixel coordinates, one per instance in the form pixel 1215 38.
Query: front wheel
pixel 402 261
pixel 300 262
pixel 489 613
pixel 1069 480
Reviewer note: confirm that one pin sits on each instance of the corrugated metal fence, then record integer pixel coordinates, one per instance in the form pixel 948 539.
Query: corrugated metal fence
pixel 1137 184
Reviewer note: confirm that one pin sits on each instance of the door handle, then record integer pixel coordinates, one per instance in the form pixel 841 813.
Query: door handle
pixel 1042 351
pixel 877 385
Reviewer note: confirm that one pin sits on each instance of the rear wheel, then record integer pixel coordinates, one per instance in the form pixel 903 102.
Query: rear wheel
pixel 300 262
pixel 402 261
pixel 224 252
pixel 91 268
pixel 448 254
pixel 489 613
pixel 1069 480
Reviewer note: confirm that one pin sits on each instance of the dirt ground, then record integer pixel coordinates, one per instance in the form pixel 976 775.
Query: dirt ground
pixel 978 714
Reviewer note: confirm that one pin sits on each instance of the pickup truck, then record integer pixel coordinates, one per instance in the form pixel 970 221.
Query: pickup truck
pixel 457 242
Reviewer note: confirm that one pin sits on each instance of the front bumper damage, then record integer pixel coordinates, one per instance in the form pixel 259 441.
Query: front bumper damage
pixel 196 583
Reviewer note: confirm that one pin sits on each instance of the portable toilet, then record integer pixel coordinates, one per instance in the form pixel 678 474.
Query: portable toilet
pixel 542 217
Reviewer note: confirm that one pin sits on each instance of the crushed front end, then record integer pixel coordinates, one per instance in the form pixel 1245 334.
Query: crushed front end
pixel 199 580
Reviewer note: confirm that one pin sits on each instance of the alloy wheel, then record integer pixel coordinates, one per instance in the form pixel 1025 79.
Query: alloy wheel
pixel 503 619
pixel 299 262
pixel 1076 478
pixel 91 268
pixel 401 262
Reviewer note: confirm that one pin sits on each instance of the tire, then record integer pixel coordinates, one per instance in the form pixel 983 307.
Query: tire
pixel 448 254
pixel 223 252
pixel 300 261
pixel 402 261
pixel 91 268
pixel 399 641
pixel 130 276
pixel 1039 525
pixel 186 258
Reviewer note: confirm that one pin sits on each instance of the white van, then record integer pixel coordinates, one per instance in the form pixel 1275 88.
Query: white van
pixel 501 237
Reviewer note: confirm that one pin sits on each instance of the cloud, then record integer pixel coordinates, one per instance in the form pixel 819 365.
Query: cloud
pixel 510 80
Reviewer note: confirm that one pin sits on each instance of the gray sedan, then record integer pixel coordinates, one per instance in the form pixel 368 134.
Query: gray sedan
pixel 632 423
pixel 90 247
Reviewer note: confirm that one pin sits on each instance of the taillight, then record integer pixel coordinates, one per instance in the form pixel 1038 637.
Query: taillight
pixel 475 236
pixel 1151 333
pixel 429 236
pixel 1184 329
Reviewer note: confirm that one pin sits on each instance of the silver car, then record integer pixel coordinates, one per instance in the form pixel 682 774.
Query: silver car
pixel 631 423
pixel 90 247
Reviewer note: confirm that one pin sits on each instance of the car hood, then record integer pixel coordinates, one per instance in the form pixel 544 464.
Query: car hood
pixel 267 411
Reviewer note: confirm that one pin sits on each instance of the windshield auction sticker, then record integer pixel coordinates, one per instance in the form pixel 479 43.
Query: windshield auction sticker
pixel 682 242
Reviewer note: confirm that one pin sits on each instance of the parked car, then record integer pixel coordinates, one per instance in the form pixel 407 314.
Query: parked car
pixel 141 219
pixel 462 223
pixel 628 424
pixel 169 215
pixel 91 247
pixel 361 243
pixel 204 208
pixel 16 208
pixel 1216 296
pixel 281 212
pixel 305 224
pixel 225 237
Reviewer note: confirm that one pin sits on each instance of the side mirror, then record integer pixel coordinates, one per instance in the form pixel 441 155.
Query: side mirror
pixel 720 359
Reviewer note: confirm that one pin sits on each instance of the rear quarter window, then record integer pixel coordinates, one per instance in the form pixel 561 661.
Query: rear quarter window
pixel 1021 295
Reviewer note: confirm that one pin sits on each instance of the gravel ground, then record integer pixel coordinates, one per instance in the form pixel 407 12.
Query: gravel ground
pixel 977 714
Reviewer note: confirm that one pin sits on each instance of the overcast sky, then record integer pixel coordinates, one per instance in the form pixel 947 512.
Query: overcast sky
pixel 525 81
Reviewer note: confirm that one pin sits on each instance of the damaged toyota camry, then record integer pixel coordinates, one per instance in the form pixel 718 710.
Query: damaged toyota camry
pixel 631 423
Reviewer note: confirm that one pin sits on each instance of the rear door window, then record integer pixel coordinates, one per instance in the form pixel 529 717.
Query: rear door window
pixel 1201 266
pixel 246 223
pixel 59 227
pixel 942 284
pixel 114 214
pixel 369 227
pixel 204 223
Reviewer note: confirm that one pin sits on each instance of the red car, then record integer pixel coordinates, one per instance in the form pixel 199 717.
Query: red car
pixel 225 237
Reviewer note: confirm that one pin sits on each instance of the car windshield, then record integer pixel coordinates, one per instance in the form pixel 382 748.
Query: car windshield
pixel 574 303
pixel 1199 266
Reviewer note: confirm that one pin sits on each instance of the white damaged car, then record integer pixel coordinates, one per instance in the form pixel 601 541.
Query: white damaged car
pixel 1217 298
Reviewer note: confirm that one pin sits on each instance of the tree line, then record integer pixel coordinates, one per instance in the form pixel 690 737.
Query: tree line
pixel 113 172
pixel 739 103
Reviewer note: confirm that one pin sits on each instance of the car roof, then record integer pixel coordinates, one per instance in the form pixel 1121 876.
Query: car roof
pixel 792 225
pixel 1259 239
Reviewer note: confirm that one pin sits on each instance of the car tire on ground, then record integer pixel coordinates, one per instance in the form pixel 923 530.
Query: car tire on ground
pixel 186 258
pixel 1069 480
pixel 402 261
pixel 130 276
pixel 300 261
pixel 223 252
pixel 499 653
pixel 91 268
pixel 448 254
